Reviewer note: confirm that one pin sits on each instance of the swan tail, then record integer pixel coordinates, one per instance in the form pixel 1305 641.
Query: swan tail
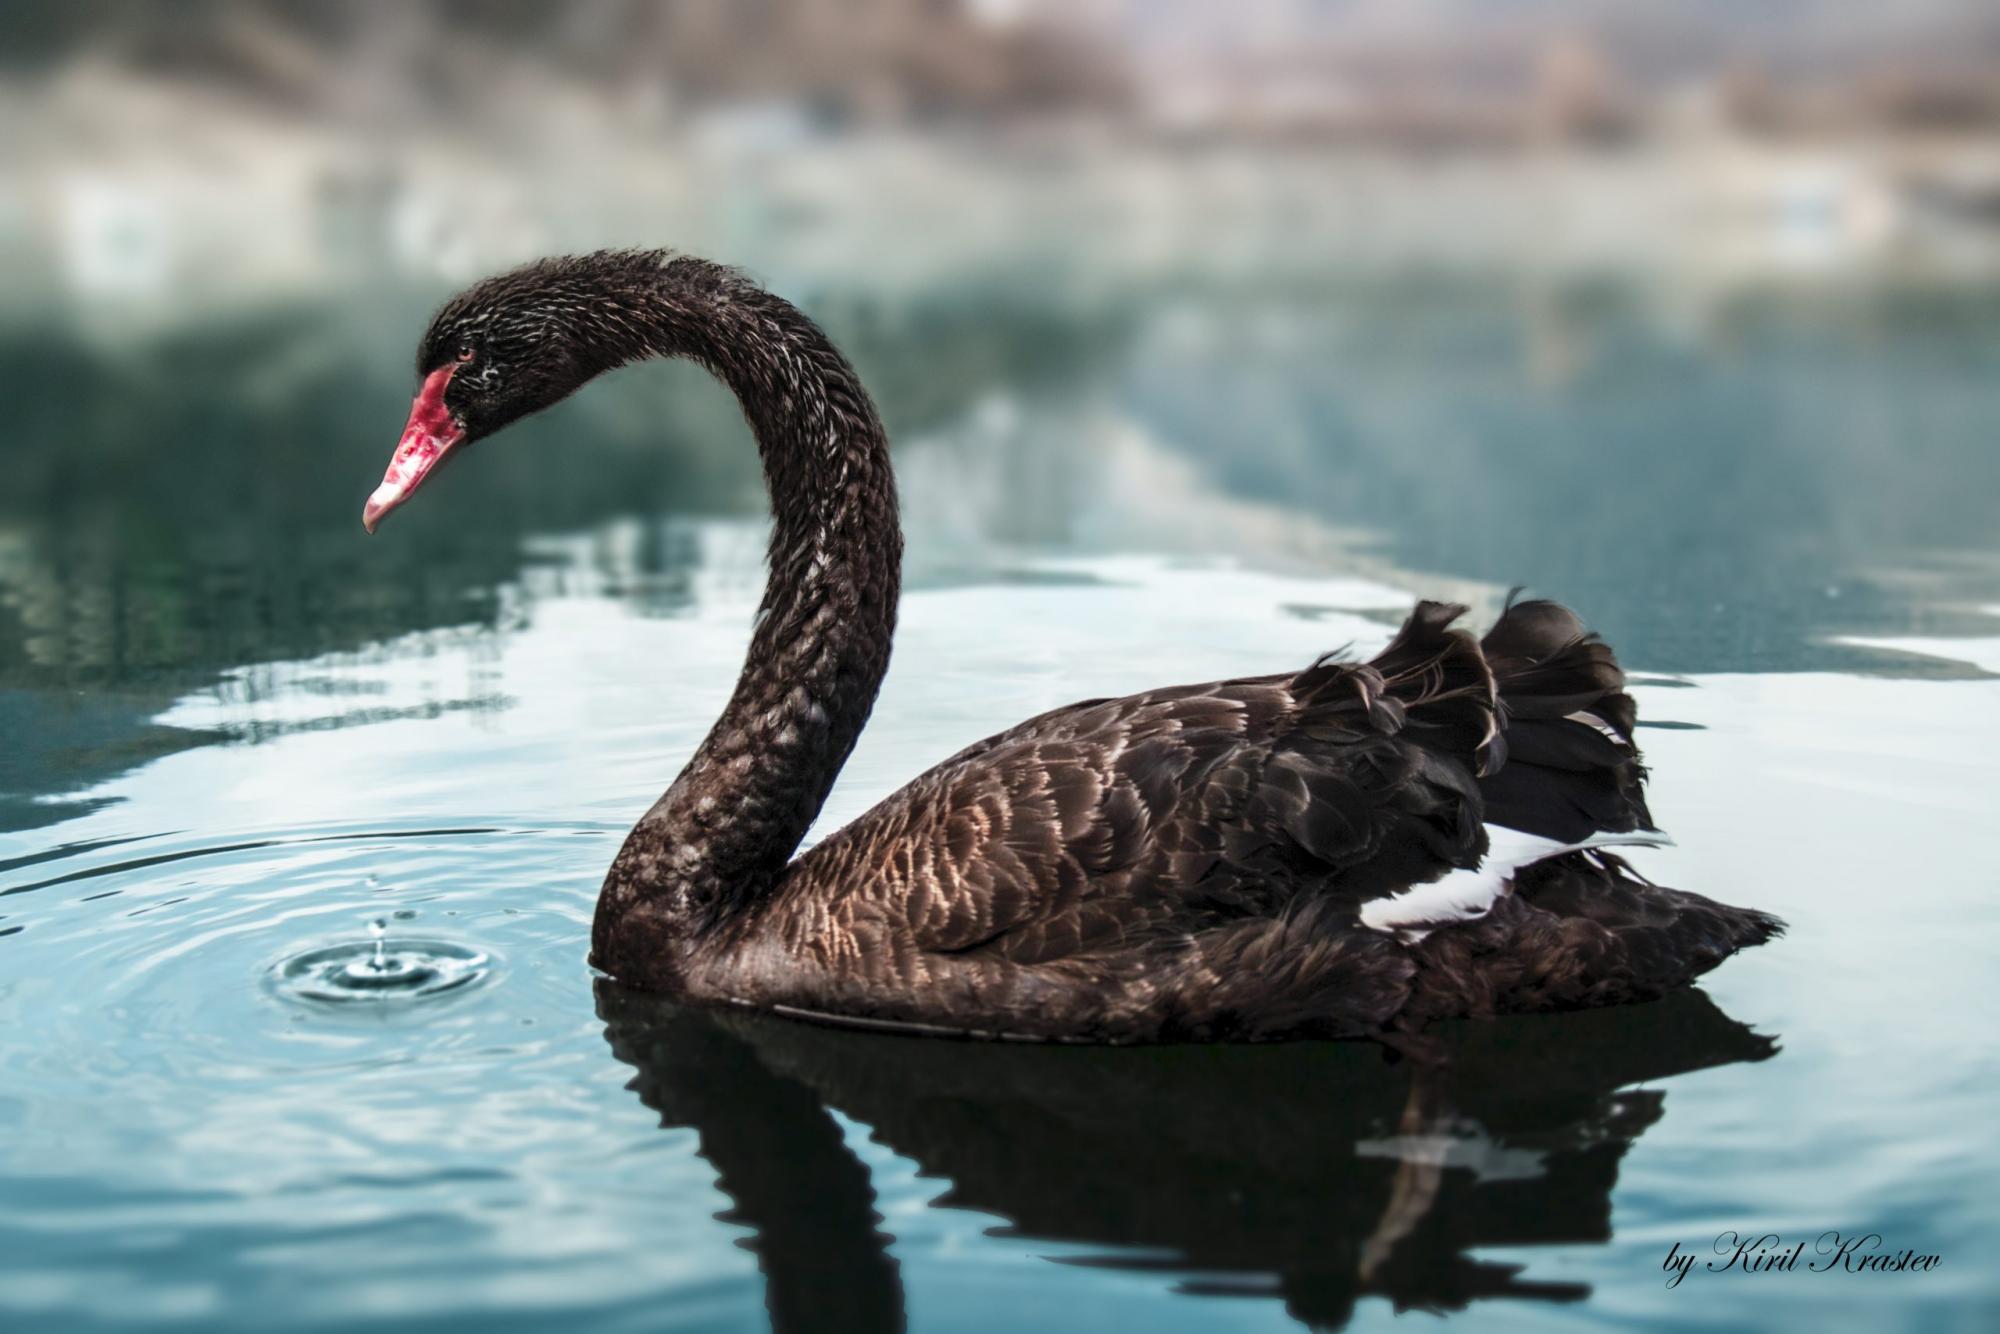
pixel 1391 744
pixel 1430 684
pixel 1578 931
pixel 1551 918
pixel 1566 766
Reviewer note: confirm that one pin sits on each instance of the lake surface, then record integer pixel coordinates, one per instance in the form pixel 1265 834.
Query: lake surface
pixel 238 732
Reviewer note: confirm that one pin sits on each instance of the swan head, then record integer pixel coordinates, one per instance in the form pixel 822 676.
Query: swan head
pixel 512 345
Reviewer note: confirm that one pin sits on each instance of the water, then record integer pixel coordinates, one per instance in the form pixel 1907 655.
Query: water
pixel 299 831
pixel 380 970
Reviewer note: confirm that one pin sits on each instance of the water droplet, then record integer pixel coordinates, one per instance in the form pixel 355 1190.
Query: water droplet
pixel 380 970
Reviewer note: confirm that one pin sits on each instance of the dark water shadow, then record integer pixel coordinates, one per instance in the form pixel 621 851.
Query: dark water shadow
pixel 1312 1173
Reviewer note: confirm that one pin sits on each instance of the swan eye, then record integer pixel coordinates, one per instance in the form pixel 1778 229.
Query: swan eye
pixel 466 352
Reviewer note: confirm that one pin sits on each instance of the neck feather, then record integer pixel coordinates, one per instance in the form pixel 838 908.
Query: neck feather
pixel 722 834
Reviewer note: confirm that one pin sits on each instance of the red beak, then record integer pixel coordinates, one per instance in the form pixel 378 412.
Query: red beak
pixel 430 435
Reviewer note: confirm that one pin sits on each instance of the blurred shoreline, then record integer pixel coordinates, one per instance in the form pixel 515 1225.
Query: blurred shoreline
pixel 248 158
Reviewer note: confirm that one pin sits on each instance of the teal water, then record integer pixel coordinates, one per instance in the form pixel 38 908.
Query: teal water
pixel 243 743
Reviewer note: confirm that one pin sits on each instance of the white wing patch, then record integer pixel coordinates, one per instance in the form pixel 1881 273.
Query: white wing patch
pixel 1464 896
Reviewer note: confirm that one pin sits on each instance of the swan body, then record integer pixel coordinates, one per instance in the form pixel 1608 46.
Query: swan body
pixel 1346 849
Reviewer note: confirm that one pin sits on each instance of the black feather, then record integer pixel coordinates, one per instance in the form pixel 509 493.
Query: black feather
pixel 1182 863
pixel 1561 690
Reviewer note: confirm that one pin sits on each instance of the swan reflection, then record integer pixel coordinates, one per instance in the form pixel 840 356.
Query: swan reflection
pixel 1314 1173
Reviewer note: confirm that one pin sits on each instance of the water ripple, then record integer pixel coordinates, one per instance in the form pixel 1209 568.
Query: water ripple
pixel 219 849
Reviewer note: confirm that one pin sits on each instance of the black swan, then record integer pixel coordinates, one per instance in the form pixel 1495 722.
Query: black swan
pixel 1350 849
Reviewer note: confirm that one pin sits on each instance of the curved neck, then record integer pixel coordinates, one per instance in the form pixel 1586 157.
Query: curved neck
pixel 723 833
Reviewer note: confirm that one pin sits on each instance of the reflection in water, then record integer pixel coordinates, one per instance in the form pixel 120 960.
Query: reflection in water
pixel 1717 499
pixel 1315 1173
pixel 186 507
pixel 778 1156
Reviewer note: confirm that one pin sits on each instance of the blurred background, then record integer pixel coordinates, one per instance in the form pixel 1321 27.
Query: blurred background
pixel 1208 335
pixel 1681 311
pixel 1685 311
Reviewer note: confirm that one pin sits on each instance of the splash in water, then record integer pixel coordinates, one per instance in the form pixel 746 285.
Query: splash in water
pixel 380 969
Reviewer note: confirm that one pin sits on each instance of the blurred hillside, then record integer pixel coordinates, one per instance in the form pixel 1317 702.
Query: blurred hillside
pixel 162 160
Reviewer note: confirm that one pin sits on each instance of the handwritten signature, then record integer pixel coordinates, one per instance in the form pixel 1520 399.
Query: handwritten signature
pixel 1832 1252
